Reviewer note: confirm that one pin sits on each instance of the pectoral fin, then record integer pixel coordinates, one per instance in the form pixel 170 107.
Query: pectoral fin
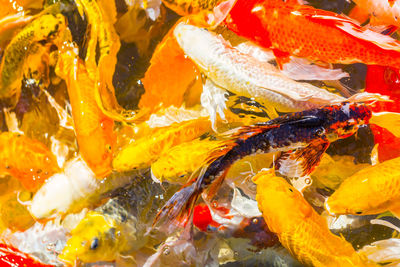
pixel 302 161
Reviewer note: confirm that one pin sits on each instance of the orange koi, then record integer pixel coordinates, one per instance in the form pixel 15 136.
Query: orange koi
pixel 162 86
pixel 94 131
pixel 292 29
pixel 37 164
pixel 299 227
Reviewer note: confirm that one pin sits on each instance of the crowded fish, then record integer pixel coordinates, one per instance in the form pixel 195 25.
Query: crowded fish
pixel 199 133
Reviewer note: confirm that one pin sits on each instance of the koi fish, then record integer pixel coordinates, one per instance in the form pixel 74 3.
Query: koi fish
pixel 118 227
pixel 299 30
pixel 303 137
pixel 45 28
pixel 39 163
pixel 299 227
pixel 167 63
pixel 180 161
pixel 94 130
pixel 97 237
pixel 72 190
pixel 10 256
pixel 101 17
pixel 372 190
pixel 142 152
pixel 383 11
pixel 244 75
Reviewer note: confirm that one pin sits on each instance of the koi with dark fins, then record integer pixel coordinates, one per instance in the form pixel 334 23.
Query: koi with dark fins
pixel 302 137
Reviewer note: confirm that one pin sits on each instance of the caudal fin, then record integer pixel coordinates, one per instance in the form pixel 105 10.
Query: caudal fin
pixel 387 120
pixel 177 210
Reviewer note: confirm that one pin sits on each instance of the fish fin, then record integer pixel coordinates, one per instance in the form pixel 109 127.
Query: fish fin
pixel 366 97
pixel 387 120
pixel 383 29
pixel 395 211
pixel 220 12
pixel 350 27
pixel 178 209
pixel 301 162
pixel 281 57
pixel 303 69
pixel 213 99
pixel 176 212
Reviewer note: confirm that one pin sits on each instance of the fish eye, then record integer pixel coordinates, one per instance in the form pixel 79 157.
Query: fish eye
pixel 108 147
pixel 181 176
pixel 290 189
pixel 358 212
pixel 94 244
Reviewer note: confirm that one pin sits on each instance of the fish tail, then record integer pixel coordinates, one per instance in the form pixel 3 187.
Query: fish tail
pixel 179 207
pixel 387 120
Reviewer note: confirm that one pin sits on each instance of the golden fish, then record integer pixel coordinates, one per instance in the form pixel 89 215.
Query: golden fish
pixel 179 162
pixel 144 151
pixel 94 131
pixel 372 190
pixel 28 160
pixel 299 227
pixel 45 28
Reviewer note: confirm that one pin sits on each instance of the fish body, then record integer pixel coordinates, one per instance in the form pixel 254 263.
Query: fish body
pixel 298 30
pixel 118 227
pixel 179 162
pixel 244 75
pixel 94 131
pixel 28 160
pixel 45 28
pixel 308 132
pixel 299 227
pixel 142 152
pixel 372 190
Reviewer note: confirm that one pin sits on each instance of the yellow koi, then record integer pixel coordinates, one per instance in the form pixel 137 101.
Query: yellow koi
pixel 179 162
pixel 372 190
pixel 143 152
pixel 299 227
pixel 94 131
pixel 45 28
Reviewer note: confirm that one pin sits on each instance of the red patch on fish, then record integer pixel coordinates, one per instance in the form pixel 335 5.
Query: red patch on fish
pixel 386 81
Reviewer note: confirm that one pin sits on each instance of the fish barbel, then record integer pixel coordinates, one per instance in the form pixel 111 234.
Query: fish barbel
pixel 308 133
pixel 372 190
pixel 299 227
pixel 304 31
pixel 244 75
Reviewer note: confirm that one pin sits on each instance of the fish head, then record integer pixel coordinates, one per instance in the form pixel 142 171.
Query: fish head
pixel 344 119
pixel 97 149
pixel 51 26
pixel 358 195
pixel 281 204
pixel 95 238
